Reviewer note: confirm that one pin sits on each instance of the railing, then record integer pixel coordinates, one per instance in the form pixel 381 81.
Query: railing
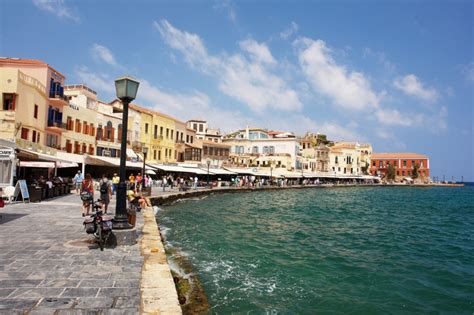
pixel 58 96
pixel 58 124
pixel 36 147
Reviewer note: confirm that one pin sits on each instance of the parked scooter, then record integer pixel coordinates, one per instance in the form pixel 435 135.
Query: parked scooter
pixel 99 225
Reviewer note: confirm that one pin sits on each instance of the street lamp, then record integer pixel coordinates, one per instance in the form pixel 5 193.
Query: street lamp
pixel 126 91
pixel 208 162
pixel 144 151
pixel 271 170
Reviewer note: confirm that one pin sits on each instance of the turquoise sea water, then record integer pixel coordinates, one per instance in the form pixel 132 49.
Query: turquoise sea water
pixel 333 250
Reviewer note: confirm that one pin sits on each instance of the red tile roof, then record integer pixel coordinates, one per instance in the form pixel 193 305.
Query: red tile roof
pixel 394 156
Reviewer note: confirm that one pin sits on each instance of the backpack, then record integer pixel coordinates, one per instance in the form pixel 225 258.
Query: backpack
pixel 103 187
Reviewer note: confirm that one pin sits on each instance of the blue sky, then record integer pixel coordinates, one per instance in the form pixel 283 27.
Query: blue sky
pixel 399 75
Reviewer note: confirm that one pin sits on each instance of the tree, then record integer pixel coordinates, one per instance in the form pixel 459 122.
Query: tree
pixel 365 168
pixel 390 172
pixel 414 172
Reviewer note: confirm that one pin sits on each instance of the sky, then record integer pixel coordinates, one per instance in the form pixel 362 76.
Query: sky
pixel 396 74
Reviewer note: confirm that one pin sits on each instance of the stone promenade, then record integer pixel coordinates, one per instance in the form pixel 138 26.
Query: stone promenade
pixel 48 266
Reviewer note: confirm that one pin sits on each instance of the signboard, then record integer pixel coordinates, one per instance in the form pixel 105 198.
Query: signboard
pixel 105 152
pixel 5 153
pixel 21 187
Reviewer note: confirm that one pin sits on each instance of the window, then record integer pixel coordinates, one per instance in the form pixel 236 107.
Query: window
pixel 265 150
pixel 336 161
pixel 201 128
pixel 24 133
pixel 159 155
pixel 33 137
pixel 171 134
pixel 9 101
pixel 404 163
pixel 373 163
pixel 187 138
pixel 85 128
pixel 109 131
pixel 100 133
pixel 78 125
pixel 35 113
pixel 205 149
pixel 380 164
pixel 211 151
pixel 146 128
pixel 154 154
pixel 272 149
pixel 161 131
pixel 70 123
pixel 119 130
pixel 167 133
pixel 38 138
pixel 195 127
pixel 255 149
pixel 191 139
pixel 155 132
pixel 181 136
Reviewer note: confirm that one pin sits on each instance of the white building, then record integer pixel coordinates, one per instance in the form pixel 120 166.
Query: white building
pixel 203 132
pixel 254 147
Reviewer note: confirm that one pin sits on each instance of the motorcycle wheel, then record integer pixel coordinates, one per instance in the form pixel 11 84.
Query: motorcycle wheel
pixel 101 239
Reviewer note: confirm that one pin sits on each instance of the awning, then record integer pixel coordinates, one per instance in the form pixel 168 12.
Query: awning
pixel 36 156
pixel 240 171
pixel 180 169
pixel 110 161
pixel 39 164
pixel 220 171
pixel 150 172
pixel 71 157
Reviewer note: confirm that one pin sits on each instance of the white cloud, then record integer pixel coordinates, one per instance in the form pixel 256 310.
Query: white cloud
pixel 336 132
pixel 412 86
pixel 228 7
pixel 292 29
pixel 56 7
pixel 247 77
pixel 348 89
pixel 468 71
pixel 394 117
pixel 99 82
pixel 259 52
pixel 104 54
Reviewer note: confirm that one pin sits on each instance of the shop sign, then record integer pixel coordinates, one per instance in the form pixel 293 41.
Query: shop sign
pixel 5 153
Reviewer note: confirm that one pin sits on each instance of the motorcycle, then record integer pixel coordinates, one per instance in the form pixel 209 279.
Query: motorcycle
pixel 99 225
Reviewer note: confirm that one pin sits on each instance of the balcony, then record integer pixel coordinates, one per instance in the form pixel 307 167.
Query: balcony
pixel 57 126
pixel 58 100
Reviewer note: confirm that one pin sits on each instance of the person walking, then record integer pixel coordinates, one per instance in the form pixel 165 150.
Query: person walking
pixel 131 180
pixel 195 182
pixel 115 182
pixel 78 179
pixel 105 187
pixel 87 194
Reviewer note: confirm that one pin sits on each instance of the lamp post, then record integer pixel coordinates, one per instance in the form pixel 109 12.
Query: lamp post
pixel 208 162
pixel 271 172
pixel 126 90
pixel 144 151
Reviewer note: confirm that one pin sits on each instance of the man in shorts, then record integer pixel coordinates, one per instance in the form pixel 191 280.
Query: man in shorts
pixel 78 179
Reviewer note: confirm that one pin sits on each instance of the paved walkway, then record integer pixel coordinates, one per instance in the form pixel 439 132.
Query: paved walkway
pixel 47 265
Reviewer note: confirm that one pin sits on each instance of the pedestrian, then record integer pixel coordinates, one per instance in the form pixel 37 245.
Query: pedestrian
pixel 105 187
pixel 87 194
pixel 115 182
pixel 131 180
pixel 195 182
pixel 78 181
pixel 138 181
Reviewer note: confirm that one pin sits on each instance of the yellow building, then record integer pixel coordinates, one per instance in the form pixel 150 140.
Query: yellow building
pixel 80 117
pixel 32 99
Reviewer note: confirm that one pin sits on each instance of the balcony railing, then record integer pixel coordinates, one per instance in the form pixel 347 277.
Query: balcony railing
pixel 58 124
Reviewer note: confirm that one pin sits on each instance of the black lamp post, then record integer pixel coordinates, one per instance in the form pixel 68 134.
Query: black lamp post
pixel 144 151
pixel 271 170
pixel 126 90
pixel 208 164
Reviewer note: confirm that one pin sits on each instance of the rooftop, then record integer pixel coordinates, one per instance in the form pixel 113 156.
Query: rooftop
pixel 27 62
pixel 397 155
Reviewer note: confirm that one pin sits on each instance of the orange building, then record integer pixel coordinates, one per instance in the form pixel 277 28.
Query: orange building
pixel 403 163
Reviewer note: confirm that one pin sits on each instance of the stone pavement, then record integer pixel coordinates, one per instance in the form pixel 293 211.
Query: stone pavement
pixel 49 266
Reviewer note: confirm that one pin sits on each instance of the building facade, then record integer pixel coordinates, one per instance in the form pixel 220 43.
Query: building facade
pixel 349 158
pixel 217 153
pixel 403 163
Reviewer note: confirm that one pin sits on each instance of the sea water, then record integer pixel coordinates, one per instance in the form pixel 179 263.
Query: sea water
pixel 355 250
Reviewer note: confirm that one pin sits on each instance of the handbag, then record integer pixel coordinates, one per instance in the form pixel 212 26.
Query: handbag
pixel 85 196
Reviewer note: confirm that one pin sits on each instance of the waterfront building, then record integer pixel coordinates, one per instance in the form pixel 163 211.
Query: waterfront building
pixel 403 163
pixel 80 120
pixel 315 159
pixel 216 153
pixel 203 132
pixel 193 147
pixel 180 140
pixel 347 158
pixel 32 97
pixel 256 146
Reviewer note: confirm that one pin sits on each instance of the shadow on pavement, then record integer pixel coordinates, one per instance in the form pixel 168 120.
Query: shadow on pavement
pixel 7 217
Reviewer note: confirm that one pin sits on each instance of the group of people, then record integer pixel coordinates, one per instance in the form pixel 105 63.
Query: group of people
pixel 85 187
